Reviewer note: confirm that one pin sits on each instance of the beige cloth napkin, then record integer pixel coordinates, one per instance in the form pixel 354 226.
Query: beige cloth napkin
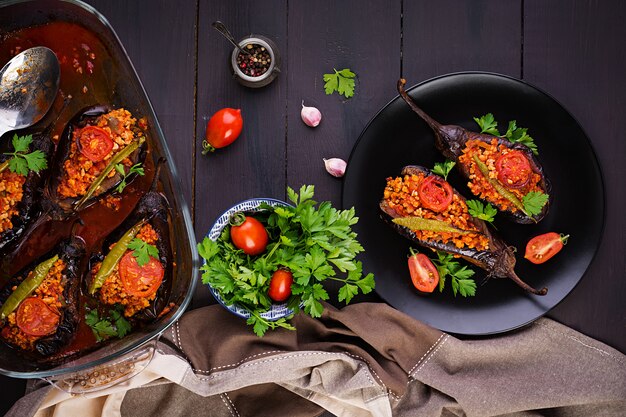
pixel 364 360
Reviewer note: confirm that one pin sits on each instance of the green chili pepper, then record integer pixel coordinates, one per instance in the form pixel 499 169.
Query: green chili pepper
pixel 30 284
pixel 113 257
pixel 499 187
pixel 4 165
pixel 420 223
pixel 124 153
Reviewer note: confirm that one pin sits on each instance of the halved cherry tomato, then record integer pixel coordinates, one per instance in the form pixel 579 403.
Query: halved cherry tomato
pixel 248 234
pixel 94 142
pixel 140 281
pixel 435 193
pixel 543 247
pixel 513 169
pixel 280 285
pixel 424 274
pixel 222 129
pixel 35 318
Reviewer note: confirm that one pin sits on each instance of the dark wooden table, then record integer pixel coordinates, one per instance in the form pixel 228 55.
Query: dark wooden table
pixel 574 50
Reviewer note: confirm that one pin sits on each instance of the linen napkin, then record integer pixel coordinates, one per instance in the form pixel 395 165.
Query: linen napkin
pixel 363 360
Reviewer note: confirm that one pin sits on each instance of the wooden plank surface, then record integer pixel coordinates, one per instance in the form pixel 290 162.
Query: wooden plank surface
pixel 575 52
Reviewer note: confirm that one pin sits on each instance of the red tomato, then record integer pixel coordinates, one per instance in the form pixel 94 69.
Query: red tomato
pixel 35 318
pixel 248 234
pixel 424 274
pixel 223 128
pixel 140 281
pixel 543 247
pixel 435 193
pixel 95 143
pixel 513 169
pixel 280 285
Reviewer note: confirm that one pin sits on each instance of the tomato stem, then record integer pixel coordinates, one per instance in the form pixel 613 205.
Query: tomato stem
pixel 237 219
pixel 564 239
pixel 206 147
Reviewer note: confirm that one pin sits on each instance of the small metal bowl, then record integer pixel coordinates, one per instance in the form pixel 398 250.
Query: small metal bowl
pixel 269 75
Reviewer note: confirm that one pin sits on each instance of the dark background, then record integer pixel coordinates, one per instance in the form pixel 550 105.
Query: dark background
pixel 573 50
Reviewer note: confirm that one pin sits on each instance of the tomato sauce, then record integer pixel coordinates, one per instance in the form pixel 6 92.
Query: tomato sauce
pixel 87 69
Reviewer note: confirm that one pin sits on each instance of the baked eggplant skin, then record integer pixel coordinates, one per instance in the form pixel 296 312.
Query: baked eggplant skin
pixel 72 252
pixel 451 140
pixel 498 261
pixel 29 208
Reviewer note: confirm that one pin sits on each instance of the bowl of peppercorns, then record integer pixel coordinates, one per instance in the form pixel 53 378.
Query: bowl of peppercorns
pixel 256 64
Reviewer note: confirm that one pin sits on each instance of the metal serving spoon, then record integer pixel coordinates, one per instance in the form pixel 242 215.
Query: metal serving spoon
pixel 221 28
pixel 28 85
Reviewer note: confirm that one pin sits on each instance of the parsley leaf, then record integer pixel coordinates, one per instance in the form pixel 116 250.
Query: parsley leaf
pixel 443 168
pixel 135 169
pixel 341 82
pixel 487 124
pixel 314 241
pixel 460 276
pixel 106 327
pixel 534 202
pixel 22 162
pixel 520 135
pixel 143 251
pixel 481 211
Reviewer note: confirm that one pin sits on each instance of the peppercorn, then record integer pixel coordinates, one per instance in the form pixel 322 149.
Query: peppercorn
pixel 256 63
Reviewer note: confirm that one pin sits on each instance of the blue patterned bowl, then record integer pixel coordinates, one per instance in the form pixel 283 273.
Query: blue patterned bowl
pixel 276 311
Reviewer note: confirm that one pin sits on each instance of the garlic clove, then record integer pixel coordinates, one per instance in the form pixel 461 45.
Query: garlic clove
pixel 311 116
pixel 335 166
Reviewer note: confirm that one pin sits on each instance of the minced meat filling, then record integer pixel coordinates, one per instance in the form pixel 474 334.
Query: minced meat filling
pixel 79 172
pixel 113 291
pixel 401 194
pixel 51 292
pixel 478 184
pixel 11 194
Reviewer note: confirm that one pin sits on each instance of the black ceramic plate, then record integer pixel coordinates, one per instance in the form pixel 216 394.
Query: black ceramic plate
pixel 397 137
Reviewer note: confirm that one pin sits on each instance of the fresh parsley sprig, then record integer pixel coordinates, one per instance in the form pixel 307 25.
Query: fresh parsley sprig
pixel 340 81
pixel 314 241
pixel 113 325
pixel 143 251
pixel 135 169
pixel 460 276
pixel 488 124
pixel 481 211
pixel 443 168
pixel 534 202
pixel 22 161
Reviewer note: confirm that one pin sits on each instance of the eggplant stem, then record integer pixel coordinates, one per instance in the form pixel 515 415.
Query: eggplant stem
pixel 525 286
pixel 431 122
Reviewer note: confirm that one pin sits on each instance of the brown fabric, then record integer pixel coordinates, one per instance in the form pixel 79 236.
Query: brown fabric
pixel 367 360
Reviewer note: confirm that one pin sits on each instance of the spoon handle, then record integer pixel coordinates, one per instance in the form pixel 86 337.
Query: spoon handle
pixel 220 27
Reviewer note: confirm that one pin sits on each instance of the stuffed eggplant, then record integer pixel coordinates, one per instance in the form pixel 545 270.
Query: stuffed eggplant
pixel 500 172
pixel 424 208
pixel 134 268
pixel 39 312
pixel 96 150
pixel 22 169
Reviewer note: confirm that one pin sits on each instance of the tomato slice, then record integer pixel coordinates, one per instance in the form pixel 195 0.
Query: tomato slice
pixel 435 193
pixel 424 274
pixel 140 281
pixel 94 142
pixel 543 247
pixel 513 169
pixel 35 318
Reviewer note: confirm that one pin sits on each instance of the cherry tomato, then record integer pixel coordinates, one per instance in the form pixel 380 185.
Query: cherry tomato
pixel 280 285
pixel 222 130
pixel 435 193
pixel 95 143
pixel 248 234
pixel 543 247
pixel 513 169
pixel 35 318
pixel 424 274
pixel 140 281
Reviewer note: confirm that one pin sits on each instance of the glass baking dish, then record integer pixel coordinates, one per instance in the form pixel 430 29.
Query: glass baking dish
pixel 123 88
